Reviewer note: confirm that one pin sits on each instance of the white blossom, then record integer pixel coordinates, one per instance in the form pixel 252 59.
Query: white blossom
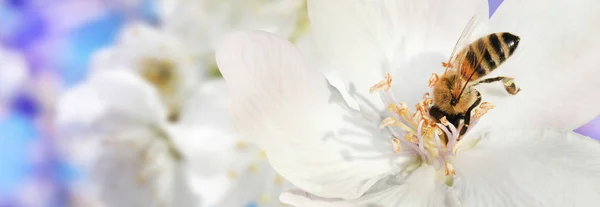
pixel 150 130
pixel 337 145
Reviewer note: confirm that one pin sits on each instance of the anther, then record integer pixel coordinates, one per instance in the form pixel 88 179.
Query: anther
pixel 444 121
pixel 262 155
pixel 279 180
pixel 482 109
pixel 240 145
pixel 433 80
pixel 412 138
pixel 450 169
pixel 387 122
pixel 396 145
pixel 232 175
pixel 264 198
pixel 253 168
pixel 383 85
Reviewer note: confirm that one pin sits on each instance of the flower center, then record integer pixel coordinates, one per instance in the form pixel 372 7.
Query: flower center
pixel 163 75
pixel 434 143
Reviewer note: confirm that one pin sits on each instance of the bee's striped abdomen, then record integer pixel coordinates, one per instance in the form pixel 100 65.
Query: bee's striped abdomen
pixel 487 53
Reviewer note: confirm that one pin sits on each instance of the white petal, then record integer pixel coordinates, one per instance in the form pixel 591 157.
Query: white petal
pixel 225 172
pixel 207 149
pixel 555 65
pixel 13 72
pixel 529 168
pixel 203 23
pixel 288 110
pixel 208 106
pixel 255 186
pixel 113 99
pixel 140 175
pixel 364 39
pixel 139 46
pixel 420 189
pixel 79 108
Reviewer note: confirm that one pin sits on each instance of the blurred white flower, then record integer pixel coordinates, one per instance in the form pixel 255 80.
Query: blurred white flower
pixel 337 153
pixel 151 131
pixel 13 73
pixel 201 24
pixel 159 58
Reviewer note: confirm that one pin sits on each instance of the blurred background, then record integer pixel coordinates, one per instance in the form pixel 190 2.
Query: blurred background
pixel 56 40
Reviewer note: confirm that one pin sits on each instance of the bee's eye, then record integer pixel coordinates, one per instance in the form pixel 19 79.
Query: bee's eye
pixel 453 101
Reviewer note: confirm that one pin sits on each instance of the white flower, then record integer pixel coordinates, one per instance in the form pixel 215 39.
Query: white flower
pixel 13 73
pixel 521 153
pixel 149 132
pixel 115 126
pixel 159 57
pixel 202 23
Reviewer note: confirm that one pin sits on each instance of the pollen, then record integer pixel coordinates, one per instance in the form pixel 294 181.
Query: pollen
pixel 387 122
pixel 264 198
pixel 433 80
pixel 262 155
pixel 140 179
pixel 383 85
pixel 396 145
pixel 253 168
pixel 412 138
pixel 450 169
pixel 232 174
pixel 279 180
pixel 444 121
pixel 401 109
pixel 447 65
pixel 240 145
pixel 483 109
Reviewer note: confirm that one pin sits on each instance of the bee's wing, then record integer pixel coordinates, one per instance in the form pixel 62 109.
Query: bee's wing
pixel 461 43
pixel 457 58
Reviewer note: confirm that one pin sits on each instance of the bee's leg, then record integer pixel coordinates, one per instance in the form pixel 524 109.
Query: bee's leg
pixel 468 114
pixel 508 83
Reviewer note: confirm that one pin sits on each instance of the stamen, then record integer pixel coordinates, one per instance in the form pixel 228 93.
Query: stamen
pixel 438 143
pixel 482 109
pixel 240 145
pixel 412 138
pixel 444 121
pixel 387 122
pixel 433 142
pixel 412 145
pixel 253 168
pixel 264 198
pixel 391 121
pixel 433 80
pixel 232 174
pixel 383 85
pixel 262 155
pixel 396 145
pixel 279 180
pixel 401 109
pixel 421 140
pixel 450 169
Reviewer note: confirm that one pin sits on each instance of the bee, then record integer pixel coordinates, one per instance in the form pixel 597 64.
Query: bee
pixel 454 96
